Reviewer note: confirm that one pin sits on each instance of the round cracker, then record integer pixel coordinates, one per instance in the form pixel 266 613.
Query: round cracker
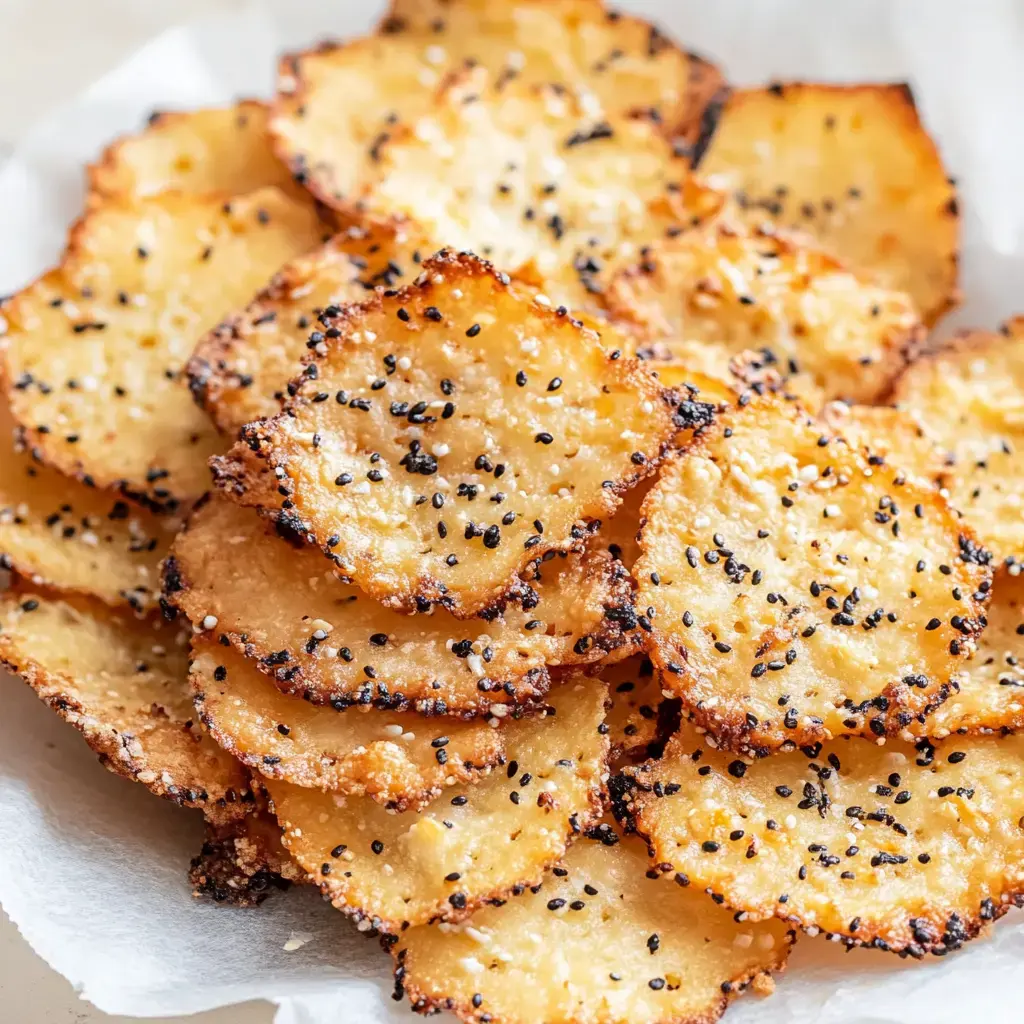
pixel 122 682
pixel 712 294
pixel 285 609
pixel 852 166
pixel 969 395
pixel 909 848
pixel 795 592
pixel 464 387
pixel 57 532
pixel 598 940
pixel 471 845
pixel 217 149
pixel 398 759
pixel 94 350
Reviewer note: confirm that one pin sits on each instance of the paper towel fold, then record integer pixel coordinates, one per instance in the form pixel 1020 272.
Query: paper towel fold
pixel 92 868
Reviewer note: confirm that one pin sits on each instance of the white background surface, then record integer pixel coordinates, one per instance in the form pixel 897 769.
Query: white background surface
pixel 51 50
pixel 966 58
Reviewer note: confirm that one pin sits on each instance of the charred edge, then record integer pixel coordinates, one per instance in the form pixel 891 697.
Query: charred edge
pixel 215 875
pixel 710 118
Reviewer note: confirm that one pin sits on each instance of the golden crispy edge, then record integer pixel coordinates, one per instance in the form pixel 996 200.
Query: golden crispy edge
pixel 246 467
pixel 113 753
pixel 738 735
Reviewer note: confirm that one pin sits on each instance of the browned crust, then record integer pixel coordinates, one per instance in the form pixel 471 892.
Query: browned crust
pixel 242 863
pixel 927 931
pixel 735 732
pixel 426 1005
pixel 902 106
pixel 706 91
pixel 239 472
pixel 115 748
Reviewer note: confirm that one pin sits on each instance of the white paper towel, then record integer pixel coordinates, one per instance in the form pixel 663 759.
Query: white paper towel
pixel 92 868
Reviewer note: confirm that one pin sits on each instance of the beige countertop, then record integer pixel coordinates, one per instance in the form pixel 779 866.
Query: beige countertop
pixel 51 50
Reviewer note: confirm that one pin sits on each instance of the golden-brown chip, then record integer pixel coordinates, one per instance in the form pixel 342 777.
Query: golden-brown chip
pixel 122 682
pixel 94 351
pixel 240 370
pixel 989 698
pixel 401 760
pixel 795 592
pixel 58 532
pixel 243 862
pixel 970 397
pixel 853 166
pixel 474 843
pixel 709 295
pixel 599 942
pixel 219 149
pixel 453 433
pixel 641 716
pixel 530 177
pixel 315 636
pixel 336 103
pixel 894 436
pixel 903 847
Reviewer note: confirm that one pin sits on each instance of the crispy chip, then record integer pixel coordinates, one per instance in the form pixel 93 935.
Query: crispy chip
pixel 970 397
pixel 221 149
pixel 893 435
pixel 598 941
pixel 239 372
pixel 531 178
pixel 990 697
pixel 854 167
pixel 395 758
pixel 122 682
pixel 911 849
pixel 55 531
pixel 640 717
pixel 518 426
pixel 336 102
pixel 797 591
pixel 243 862
pixel 322 639
pixel 709 295
pixel 95 348
pixel 474 843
